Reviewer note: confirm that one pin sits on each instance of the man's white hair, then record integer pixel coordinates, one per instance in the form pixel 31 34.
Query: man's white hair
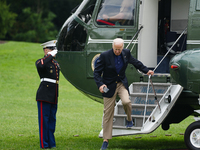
pixel 118 41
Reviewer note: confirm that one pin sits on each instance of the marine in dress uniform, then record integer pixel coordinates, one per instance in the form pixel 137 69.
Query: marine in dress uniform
pixel 47 94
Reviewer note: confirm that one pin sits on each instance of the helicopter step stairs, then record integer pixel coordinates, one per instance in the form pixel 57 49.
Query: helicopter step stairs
pixel 138 98
pixel 156 107
pixel 137 115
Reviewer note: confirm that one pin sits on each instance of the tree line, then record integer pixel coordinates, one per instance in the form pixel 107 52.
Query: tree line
pixel 33 21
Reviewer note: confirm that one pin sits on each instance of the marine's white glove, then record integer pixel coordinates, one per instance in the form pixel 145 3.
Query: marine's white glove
pixel 53 52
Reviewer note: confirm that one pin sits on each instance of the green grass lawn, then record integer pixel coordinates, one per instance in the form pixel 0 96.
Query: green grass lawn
pixel 77 114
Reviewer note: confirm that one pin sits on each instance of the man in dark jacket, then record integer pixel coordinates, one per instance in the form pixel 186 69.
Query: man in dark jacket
pixel 109 74
pixel 47 94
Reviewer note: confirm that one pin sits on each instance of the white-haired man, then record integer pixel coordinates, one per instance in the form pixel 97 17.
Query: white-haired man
pixel 112 64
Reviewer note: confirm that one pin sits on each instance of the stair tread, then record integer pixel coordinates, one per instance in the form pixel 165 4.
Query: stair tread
pixel 133 116
pixel 142 94
pixel 124 127
pixel 160 74
pixel 146 83
pixel 140 105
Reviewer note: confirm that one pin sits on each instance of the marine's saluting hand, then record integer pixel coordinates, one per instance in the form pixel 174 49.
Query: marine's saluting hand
pixel 53 52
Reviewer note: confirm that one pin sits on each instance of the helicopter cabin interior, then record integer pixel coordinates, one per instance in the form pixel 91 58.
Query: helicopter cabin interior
pixel 163 20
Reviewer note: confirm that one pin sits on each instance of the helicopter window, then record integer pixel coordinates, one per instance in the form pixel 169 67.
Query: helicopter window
pixel 86 13
pixel 73 34
pixel 73 37
pixel 116 12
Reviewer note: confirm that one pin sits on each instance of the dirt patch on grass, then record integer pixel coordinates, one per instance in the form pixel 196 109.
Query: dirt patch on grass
pixel 2 42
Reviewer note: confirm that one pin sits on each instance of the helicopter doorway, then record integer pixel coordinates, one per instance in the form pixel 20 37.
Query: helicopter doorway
pixel 163 22
pixel 172 20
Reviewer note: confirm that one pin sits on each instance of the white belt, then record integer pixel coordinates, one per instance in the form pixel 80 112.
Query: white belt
pixel 49 80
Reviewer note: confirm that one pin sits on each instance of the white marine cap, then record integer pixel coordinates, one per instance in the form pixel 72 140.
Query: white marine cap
pixel 51 43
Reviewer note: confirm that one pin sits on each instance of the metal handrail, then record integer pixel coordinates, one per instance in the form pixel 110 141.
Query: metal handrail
pixel 145 108
pixel 155 94
pixel 134 36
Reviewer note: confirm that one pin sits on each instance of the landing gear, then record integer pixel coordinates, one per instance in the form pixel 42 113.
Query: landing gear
pixel 165 127
pixel 192 136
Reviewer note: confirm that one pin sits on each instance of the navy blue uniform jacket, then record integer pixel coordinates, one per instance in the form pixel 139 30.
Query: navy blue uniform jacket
pixel 105 71
pixel 48 67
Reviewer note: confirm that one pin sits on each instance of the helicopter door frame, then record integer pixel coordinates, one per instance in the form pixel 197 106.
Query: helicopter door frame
pixel 147 42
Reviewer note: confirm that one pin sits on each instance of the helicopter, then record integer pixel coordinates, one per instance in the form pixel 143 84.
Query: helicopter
pixel 163 35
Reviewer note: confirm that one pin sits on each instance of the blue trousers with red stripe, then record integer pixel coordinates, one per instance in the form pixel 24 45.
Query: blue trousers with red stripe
pixel 47 124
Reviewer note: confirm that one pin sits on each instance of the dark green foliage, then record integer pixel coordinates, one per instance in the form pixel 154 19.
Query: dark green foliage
pixel 7 19
pixel 36 21
pixel 34 28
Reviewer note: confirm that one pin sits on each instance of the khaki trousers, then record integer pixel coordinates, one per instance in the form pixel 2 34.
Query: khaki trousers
pixel 109 104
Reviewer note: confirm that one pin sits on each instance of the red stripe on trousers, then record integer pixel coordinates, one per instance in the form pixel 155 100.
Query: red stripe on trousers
pixel 41 125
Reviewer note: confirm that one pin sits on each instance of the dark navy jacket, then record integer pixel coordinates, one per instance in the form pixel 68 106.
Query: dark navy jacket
pixel 105 71
pixel 48 67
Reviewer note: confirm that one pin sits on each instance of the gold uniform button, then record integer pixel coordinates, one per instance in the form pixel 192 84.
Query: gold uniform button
pixel 47 85
pixel 116 81
pixel 118 75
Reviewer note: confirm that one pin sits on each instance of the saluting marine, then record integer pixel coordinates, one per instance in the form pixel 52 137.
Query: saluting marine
pixel 47 94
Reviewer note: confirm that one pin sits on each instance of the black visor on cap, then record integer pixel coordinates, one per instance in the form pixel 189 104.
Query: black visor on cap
pixel 52 47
